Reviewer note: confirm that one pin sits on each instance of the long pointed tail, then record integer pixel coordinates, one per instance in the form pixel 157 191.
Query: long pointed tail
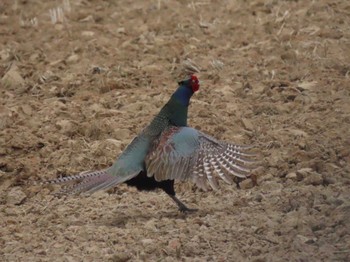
pixel 89 182
pixel 81 176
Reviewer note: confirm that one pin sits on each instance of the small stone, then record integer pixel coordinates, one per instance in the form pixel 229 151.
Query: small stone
pixel 5 183
pixel 12 78
pixel 270 186
pixel 246 184
pixel 96 108
pixel 66 127
pixel 34 57
pixel 147 241
pixel 149 246
pixel 258 197
pixel 88 33
pixel 330 33
pixel 274 159
pixel 342 214
pixel 306 240
pixel 114 142
pixel 298 132
pixel 72 59
pixel 16 196
pixel 263 178
pixel 121 257
pixel 150 225
pixel 41 252
pixel 89 18
pixel 59 27
pixel 169 259
pixel 334 201
pixel 27 109
pixel 5 55
pixel 318 227
pixel 247 124
pixel 292 176
pixel 314 179
pixel 304 172
pixel 122 134
pixel 328 180
pixel 290 56
pixel 197 221
pixel 56 62
pixel 174 244
pixel 307 85
pixel 5 118
pixel 152 69
pixel 121 30
pixel 291 220
pixel 225 90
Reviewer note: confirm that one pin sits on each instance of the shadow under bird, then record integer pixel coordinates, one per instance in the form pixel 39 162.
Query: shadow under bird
pixel 168 150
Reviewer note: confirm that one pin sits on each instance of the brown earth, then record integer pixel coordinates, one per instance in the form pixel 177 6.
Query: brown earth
pixel 80 78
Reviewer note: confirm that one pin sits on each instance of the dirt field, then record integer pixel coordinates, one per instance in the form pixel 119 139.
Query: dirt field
pixel 79 79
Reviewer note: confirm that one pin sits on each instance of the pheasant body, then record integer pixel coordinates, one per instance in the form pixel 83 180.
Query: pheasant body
pixel 167 150
pixel 131 162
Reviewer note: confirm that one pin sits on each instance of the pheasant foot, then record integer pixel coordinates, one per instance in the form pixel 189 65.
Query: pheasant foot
pixel 182 207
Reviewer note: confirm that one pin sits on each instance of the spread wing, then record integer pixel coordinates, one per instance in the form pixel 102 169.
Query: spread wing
pixel 184 153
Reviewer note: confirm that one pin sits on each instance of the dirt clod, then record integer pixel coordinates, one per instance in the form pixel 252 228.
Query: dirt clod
pixel 314 179
pixel 246 184
pixel 16 196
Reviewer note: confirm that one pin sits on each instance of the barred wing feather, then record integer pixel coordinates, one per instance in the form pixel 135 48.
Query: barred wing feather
pixel 184 153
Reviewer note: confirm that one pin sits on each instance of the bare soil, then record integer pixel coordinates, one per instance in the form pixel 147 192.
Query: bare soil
pixel 79 79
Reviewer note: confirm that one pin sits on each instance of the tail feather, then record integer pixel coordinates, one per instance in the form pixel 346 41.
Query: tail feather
pixel 91 185
pixel 82 186
pixel 80 176
pixel 90 182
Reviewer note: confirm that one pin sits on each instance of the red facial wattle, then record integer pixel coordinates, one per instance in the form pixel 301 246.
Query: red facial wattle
pixel 194 83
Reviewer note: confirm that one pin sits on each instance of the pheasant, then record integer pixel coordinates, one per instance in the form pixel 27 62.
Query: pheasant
pixel 168 150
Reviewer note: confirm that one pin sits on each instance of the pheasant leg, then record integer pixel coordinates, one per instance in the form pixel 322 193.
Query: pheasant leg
pixel 182 207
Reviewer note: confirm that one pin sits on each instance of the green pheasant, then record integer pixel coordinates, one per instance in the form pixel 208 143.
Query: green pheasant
pixel 168 150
